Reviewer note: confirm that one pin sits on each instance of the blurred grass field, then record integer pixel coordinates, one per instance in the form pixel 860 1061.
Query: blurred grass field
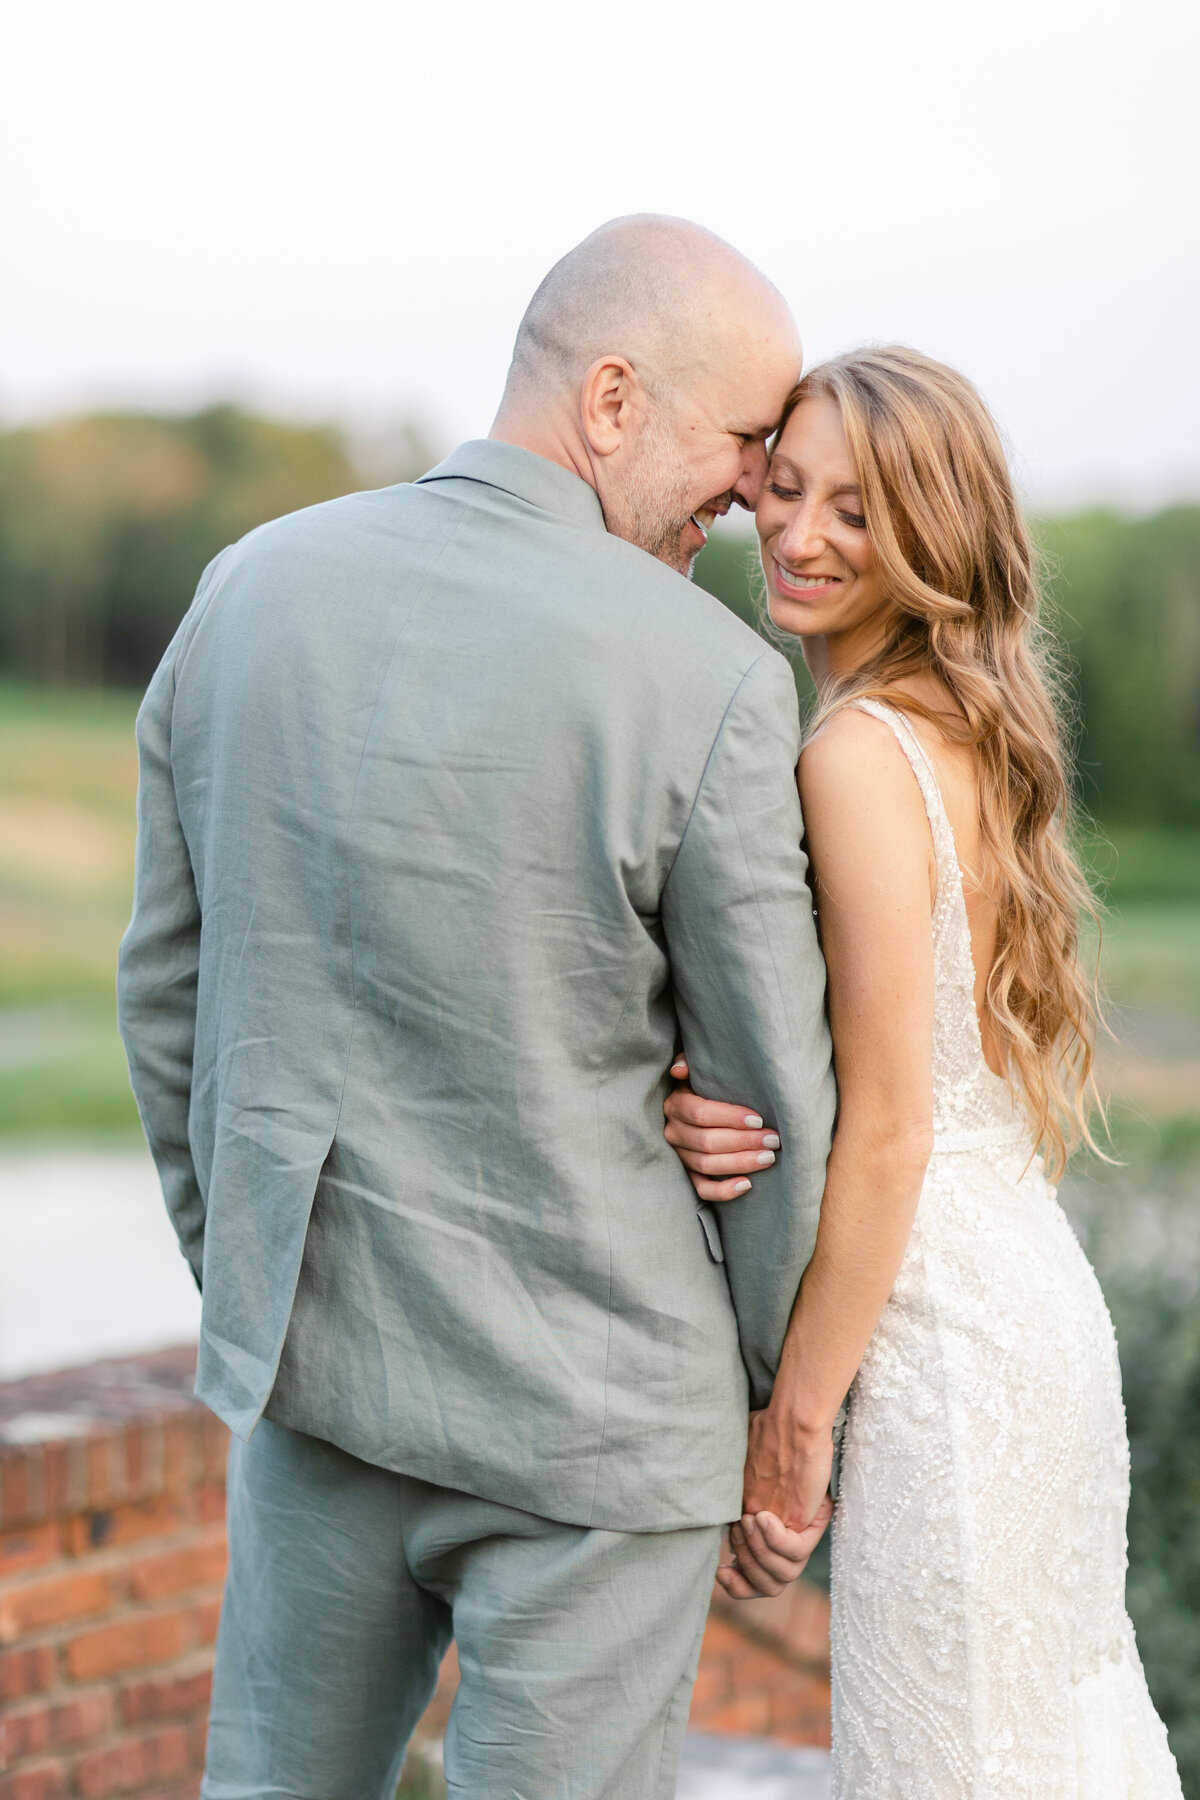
pixel 68 777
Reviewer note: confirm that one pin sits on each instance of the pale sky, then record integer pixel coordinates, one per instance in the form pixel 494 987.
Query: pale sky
pixel 341 210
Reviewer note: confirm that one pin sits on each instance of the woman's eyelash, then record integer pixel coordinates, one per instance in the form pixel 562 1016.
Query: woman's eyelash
pixel 856 520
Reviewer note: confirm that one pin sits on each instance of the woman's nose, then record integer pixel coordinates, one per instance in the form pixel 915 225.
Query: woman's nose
pixel 801 538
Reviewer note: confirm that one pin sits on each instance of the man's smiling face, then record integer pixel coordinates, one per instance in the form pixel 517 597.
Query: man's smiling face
pixel 702 448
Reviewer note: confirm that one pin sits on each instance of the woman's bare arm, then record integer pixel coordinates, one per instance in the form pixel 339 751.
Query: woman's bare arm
pixel 873 863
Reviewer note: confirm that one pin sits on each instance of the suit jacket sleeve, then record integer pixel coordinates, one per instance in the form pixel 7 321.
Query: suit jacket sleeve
pixel 159 964
pixel 750 989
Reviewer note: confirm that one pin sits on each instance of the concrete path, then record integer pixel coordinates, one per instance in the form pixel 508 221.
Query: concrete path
pixel 735 1768
pixel 88 1262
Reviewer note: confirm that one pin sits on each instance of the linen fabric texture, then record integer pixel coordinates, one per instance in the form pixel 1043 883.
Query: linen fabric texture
pixel 577 1648
pixel 457 817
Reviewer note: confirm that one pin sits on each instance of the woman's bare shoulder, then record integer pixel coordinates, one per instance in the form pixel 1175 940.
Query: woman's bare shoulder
pixel 864 816
pixel 854 750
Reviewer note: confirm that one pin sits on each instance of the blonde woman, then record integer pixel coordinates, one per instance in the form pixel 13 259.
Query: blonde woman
pixel 981 1644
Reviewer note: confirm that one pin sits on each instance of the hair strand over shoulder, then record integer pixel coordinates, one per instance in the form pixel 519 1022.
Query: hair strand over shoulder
pixel 948 534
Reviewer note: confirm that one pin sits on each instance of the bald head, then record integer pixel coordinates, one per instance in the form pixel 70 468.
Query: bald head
pixel 653 362
pixel 661 292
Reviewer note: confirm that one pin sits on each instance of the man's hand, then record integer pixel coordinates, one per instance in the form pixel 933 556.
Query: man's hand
pixel 767 1557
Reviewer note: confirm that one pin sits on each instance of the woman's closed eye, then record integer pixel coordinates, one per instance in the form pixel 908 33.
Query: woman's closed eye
pixel 856 521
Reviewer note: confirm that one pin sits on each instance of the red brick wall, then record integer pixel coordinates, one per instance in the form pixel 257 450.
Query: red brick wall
pixel 764 1668
pixel 112 1553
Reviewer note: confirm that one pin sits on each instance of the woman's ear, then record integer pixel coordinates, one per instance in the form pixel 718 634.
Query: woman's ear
pixel 610 401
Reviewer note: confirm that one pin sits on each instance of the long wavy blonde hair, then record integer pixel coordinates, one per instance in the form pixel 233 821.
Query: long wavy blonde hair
pixel 948 534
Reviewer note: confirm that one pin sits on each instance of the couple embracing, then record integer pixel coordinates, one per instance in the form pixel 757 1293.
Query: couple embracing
pixel 470 841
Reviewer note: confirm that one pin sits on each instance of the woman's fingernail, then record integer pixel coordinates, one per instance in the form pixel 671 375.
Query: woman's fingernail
pixel 752 1122
pixel 743 1187
pixel 771 1141
pixel 766 1159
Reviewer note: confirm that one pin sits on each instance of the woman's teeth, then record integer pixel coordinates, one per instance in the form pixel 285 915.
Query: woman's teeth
pixel 809 581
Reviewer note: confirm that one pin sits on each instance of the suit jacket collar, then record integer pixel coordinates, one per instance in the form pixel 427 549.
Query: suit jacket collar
pixel 528 477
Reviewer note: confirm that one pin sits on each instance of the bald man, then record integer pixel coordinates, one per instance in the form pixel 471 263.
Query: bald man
pixel 461 811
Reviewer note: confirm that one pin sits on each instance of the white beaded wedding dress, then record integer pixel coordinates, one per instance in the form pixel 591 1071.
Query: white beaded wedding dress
pixel 981 1647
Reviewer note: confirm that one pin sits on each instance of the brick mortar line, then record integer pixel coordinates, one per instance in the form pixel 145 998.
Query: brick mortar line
pixel 83 1568
pixel 102 1559
pixel 59 1638
pixel 189 1496
pixel 189 1664
pixel 103 1545
pixel 71 1754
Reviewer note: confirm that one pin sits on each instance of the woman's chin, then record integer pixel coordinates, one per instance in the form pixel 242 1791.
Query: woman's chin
pixel 793 617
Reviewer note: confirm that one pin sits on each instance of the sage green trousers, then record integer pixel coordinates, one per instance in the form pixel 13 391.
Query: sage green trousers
pixel 577 1648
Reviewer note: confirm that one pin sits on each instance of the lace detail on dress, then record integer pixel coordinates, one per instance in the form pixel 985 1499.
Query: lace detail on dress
pixel 981 1645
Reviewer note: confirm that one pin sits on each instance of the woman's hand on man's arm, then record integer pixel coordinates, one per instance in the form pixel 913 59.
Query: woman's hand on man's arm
pixel 719 1144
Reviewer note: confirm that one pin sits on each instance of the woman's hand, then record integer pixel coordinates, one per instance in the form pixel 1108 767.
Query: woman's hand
pixel 719 1145
pixel 788 1465
pixel 786 1505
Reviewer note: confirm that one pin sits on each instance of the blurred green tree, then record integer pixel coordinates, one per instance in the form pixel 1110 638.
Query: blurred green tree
pixel 1125 598
pixel 106 522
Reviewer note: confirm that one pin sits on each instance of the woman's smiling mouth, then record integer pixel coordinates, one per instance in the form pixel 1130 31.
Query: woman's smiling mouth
pixel 805 587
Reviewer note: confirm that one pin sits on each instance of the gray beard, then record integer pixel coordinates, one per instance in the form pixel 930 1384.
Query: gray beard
pixel 652 512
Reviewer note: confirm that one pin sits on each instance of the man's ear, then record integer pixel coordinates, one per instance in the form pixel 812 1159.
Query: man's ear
pixel 611 400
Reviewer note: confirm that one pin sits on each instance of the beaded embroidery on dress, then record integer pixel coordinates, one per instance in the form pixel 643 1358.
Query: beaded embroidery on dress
pixel 981 1647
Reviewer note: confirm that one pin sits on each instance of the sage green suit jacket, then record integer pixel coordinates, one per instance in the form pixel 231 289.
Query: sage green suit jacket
pixel 457 817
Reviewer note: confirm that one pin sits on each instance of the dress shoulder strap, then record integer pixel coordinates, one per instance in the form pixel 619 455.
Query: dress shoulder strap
pixel 927 781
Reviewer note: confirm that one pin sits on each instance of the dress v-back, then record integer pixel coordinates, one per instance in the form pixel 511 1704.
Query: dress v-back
pixel 981 1647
